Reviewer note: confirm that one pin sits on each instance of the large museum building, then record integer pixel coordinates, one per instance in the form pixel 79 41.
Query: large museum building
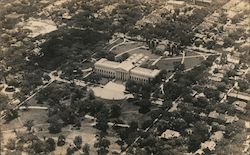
pixel 127 70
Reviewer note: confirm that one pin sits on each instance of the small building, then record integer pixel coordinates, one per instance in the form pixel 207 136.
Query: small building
pixel 176 3
pixel 233 59
pixel 240 105
pixel 240 95
pixel 168 134
pixel 203 2
pixel 215 78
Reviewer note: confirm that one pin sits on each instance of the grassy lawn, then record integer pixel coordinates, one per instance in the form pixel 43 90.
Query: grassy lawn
pixel 129 111
pixel 144 52
pixel 166 64
pixel 125 47
pixel 115 43
pixel 189 53
pixel 191 62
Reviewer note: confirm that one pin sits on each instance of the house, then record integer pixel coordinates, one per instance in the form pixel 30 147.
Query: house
pixel 233 59
pixel 240 105
pixel 168 134
pixel 240 95
pixel 203 2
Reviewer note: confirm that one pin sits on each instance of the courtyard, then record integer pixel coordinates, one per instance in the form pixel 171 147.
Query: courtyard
pixel 111 91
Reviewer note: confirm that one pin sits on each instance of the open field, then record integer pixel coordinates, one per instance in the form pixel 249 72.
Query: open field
pixel 166 64
pixel 132 47
pixel 191 62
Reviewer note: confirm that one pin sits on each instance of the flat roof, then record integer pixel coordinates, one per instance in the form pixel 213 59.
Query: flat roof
pixel 130 64
pixel 145 72
pixel 134 58
pixel 106 63
pixel 126 65
pixel 240 95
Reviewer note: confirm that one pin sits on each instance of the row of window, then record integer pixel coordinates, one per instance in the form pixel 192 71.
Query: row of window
pixel 105 72
pixel 109 73
pixel 138 79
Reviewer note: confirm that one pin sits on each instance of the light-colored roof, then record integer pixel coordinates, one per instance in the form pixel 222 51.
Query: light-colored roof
pixel 240 105
pixel 205 1
pixel 106 63
pixel 134 58
pixel 126 65
pixel 240 95
pixel 130 65
pixel 214 78
pixel 168 134
pixel 145 72
pixel 176 2
pixel 233 59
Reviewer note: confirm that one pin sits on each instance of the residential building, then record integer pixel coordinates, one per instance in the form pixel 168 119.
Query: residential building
pixel 240 95
pixel 233 59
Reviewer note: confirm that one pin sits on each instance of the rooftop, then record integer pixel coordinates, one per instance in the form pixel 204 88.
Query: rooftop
pixel 145 71
pixel 240 95
pixel 168 134
pixel 131 64
pixel 126 65
pixel 106 63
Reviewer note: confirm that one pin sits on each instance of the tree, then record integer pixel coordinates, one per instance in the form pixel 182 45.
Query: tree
pixel 11 144
pixel 29 124
pixel 187 98
pixel 248 77
pixel 91 95
pixel 102 119
pixel 146 123
pixel 70 151
pixel 132 87
pixel 228 42
pixel 210 44
pixel 115 111
pixel 231 73
pixel 38 146
pixel 194 142
pixel 133 126
pixel 55 127
pixel 146 91
pixel 85 149
pixel 178 66
pixel 221 86
pixel 51 145
pixel 172 90
pixel 102 145
pixel 179 125
pixel 243 85
pixel 145 105
pixel 10 115
pixel 211 93
pixel 201 102
pixel 3 101
pixel 234 128
pixel 102 124
pixel 61 140
pixel 78 142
